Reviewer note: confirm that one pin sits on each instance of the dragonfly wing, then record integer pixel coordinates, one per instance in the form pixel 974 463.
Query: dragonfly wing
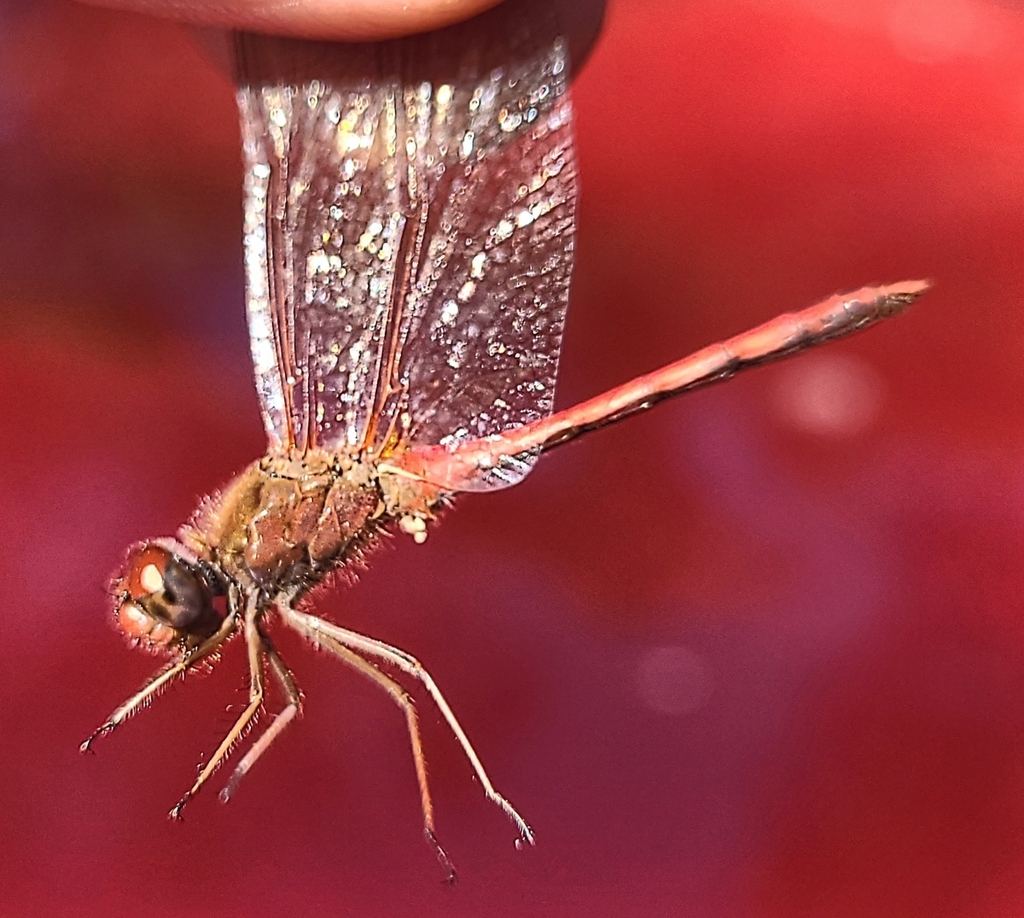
pixel 322 208
pixel 483 328
pixel 409 212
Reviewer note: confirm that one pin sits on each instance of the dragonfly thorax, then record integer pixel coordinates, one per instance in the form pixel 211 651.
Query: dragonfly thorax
pixel 277 529
pixel 285 522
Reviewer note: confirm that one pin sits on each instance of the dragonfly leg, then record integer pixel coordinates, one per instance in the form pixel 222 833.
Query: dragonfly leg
pixel 292 708
pixel 402 699
pixel 316 628
pixel 162 679
pixel 254 644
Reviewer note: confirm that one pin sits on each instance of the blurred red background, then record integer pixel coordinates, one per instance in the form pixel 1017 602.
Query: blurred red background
pixel 757 653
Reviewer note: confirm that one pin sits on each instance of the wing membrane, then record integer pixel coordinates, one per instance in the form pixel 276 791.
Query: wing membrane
pixel 409 214
pixel 484 325
pixel 323 208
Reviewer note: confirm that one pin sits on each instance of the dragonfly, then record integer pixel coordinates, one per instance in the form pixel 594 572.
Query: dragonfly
pixel 409 217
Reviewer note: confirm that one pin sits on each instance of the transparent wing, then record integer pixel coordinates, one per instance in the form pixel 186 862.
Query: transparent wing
pixel 409 216
pixel 323 213
pixel 482 324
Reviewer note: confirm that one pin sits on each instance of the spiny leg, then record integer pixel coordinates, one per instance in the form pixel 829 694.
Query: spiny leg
pixel 277 725
pixel 254 643
pixel 161 680
pixel 316 628
pixel 402 699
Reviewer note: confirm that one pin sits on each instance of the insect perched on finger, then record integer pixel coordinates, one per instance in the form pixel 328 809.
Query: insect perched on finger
pixel 408 237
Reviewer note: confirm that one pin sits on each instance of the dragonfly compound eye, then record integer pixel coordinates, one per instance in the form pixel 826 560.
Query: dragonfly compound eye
pixel 162 599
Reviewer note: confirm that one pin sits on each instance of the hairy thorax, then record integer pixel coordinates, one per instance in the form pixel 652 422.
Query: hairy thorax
pixel 284 522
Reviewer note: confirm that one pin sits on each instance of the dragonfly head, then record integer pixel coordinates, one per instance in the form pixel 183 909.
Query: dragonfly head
pixel 163 598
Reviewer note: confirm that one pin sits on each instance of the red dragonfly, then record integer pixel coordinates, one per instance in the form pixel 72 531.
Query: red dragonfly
pixel 409 218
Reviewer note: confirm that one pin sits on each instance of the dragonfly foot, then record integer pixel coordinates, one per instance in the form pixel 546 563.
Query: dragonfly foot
pixel 95 735
pixel 451 877
pixel 175 812
pixel 525 832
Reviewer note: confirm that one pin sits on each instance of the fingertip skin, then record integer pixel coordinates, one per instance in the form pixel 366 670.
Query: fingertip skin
pixel 337 20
